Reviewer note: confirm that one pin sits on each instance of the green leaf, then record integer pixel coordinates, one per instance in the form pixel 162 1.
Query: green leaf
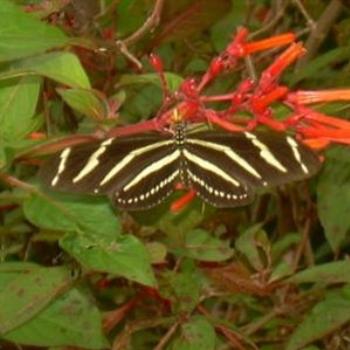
pixel 157 252
pixel 18 101
pixel 18 266
pixel 124 256
pixel 325 317
pixel 201 245
pixel 3 157
pixel 221 32
pixel 86 102
pixel 186 287
pixel 320 63
pixel 177 225
pixel 63 67
pixel 70 320
pixel 23 35
pixel 131 15
pixel 333 192
pixel 281 270
pixel 28 293
pixel 195 334
pixel 333 272
pixel 174 81
pixel 63 212
pixel 283 244
pixel 250 242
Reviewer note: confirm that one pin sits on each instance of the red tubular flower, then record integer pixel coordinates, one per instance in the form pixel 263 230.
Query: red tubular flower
pixel 275 41
pixel 236 47
pixel 308 97
pixel 183 201
pixel 330 134
pixel 317 144
pixel 214 118
pixel 156 62
pixel 261 102
pixel 330 121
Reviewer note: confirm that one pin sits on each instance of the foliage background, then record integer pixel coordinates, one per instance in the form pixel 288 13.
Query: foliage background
pixel 74 273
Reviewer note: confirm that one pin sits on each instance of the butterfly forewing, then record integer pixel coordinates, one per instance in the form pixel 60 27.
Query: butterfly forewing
pixel 109 166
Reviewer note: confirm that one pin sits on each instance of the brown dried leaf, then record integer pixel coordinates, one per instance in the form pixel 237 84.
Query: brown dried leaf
pixel 235 278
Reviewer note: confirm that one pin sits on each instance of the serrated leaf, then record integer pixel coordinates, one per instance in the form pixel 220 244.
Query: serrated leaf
pixel 23 35
pixel 124 256
pixel 63 67
pixel 323 319
pixel 70 320
pixel 202 245
pixel 333 272
pixel 333 193
pixel 18 101
pixel 61 212
pixel 28 293
pixel 195 334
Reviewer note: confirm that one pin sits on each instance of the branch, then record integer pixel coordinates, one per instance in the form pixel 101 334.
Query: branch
pixel 320 31
pixel 152 21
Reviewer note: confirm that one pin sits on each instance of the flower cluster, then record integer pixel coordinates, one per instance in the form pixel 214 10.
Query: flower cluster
pixel 253 97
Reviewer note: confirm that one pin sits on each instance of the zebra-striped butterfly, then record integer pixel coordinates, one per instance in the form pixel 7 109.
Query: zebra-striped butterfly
pixel 139 171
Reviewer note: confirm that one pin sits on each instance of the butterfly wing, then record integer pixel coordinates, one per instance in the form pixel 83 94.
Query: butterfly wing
pixel 224 168
pixel 136 172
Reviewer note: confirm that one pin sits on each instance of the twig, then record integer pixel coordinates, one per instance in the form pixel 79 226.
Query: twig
pixel 152 21
pixel 271 23
pixel 14 182
pixel 320 31
pixel 311 23
pixel 124 50
pixel 303 244
pixel 167 336
pixel 255 326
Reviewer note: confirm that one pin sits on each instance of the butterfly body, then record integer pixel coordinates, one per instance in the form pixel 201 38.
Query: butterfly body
pixel 140 171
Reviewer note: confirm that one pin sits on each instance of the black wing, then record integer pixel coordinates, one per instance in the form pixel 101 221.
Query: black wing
pixel 136 172
pixel 250 160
